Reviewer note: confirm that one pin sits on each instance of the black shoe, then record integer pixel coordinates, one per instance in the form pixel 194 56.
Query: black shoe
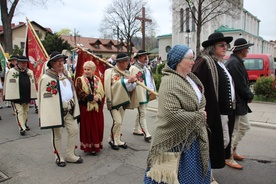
pixel 79 161
pixel 115 147
pixel 124 146
pixel 22 132
pixel 147 139
pixel 94 153
pixel 0 118
pixel 28 128
pixel 60 164
pixel 139 134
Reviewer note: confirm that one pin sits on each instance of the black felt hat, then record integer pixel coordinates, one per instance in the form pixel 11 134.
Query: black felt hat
pixel 122 57
pixel 240 44
pixel 13 57
pixel 216 37
pixel 141 52
pixel 55 55
pixel 22 59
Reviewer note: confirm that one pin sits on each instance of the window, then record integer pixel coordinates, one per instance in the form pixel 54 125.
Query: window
pixel 254 64
pixel 22 45
pixel 193 19
pixel 187 19
pixel 168 48
pixel 181 20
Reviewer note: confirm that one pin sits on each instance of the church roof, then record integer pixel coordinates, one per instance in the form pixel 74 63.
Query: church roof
pixel 165 35
pixel 226 29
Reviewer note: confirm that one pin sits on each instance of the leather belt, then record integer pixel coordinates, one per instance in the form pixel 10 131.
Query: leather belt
pixel 68 107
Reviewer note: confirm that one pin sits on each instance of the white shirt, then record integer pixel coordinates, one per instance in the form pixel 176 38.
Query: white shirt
pixel 65 89
pixel 231 80
pixel 195 87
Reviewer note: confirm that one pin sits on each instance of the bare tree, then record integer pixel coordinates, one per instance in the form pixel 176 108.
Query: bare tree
pixel 120 20
pixel 8 8
pixel 204 11
pixel 6 18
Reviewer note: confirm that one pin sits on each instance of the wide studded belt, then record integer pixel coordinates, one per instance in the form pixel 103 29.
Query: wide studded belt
pixel 68 106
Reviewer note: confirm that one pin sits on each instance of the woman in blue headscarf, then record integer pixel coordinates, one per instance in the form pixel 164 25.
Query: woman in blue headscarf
pixel 179 151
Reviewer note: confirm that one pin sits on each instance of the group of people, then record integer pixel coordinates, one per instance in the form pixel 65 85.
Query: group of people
pixel 201 118
pixel 202 113
pixel 63 102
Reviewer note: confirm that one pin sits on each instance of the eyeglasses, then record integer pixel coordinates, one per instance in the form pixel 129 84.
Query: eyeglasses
pixel 223 45
pixel 190 58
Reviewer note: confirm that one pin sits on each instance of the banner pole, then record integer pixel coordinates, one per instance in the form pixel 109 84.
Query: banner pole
pixel 118 70
pixel 37 39
pixel 6 60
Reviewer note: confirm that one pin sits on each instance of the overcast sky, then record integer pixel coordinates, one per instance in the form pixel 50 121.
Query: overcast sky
pixel 85 16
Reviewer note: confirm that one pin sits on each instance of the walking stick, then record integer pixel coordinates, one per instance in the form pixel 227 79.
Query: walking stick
pixel 118 70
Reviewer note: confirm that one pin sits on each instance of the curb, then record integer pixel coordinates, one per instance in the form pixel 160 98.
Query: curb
pixel 252 123
pixel 263 125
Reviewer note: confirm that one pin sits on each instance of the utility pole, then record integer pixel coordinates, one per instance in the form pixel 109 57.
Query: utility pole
pixel 118 35
pixel 143 20
pixel 75 35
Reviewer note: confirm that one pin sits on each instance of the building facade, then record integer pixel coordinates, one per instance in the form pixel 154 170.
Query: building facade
pixel 99 46
pixel 165 43
pixel 19 33
pixel 242 24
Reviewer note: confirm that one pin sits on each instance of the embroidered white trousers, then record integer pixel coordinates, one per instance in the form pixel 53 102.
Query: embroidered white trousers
pixel 72 134
pixel 116 129
pixel 140 122
pixel 21 111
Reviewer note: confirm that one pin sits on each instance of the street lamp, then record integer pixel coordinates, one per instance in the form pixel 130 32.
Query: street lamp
pixel 75 36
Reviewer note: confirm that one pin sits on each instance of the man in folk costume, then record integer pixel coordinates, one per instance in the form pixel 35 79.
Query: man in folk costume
pixel 244 95
pixel 58 108
pixel 141 96
pixel 117 91
pixel 19 88
pixel 12 62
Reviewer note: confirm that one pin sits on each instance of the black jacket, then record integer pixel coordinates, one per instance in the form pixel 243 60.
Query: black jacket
pixel 225 98
pixel 238 72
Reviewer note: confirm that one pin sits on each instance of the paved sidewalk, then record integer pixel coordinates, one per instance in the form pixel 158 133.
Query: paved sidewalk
pixel 263 113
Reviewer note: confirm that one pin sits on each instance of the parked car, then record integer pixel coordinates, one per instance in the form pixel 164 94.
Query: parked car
pixel 258 65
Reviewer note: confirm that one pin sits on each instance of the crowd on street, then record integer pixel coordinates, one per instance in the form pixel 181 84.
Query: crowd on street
pixel 202 114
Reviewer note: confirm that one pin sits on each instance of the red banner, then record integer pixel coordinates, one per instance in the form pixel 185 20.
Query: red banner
pixel 35 55
pixel 82 58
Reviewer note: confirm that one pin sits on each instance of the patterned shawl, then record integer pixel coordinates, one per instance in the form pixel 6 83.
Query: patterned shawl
pixel 98 90
pixel 179 123
pixel 214 72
